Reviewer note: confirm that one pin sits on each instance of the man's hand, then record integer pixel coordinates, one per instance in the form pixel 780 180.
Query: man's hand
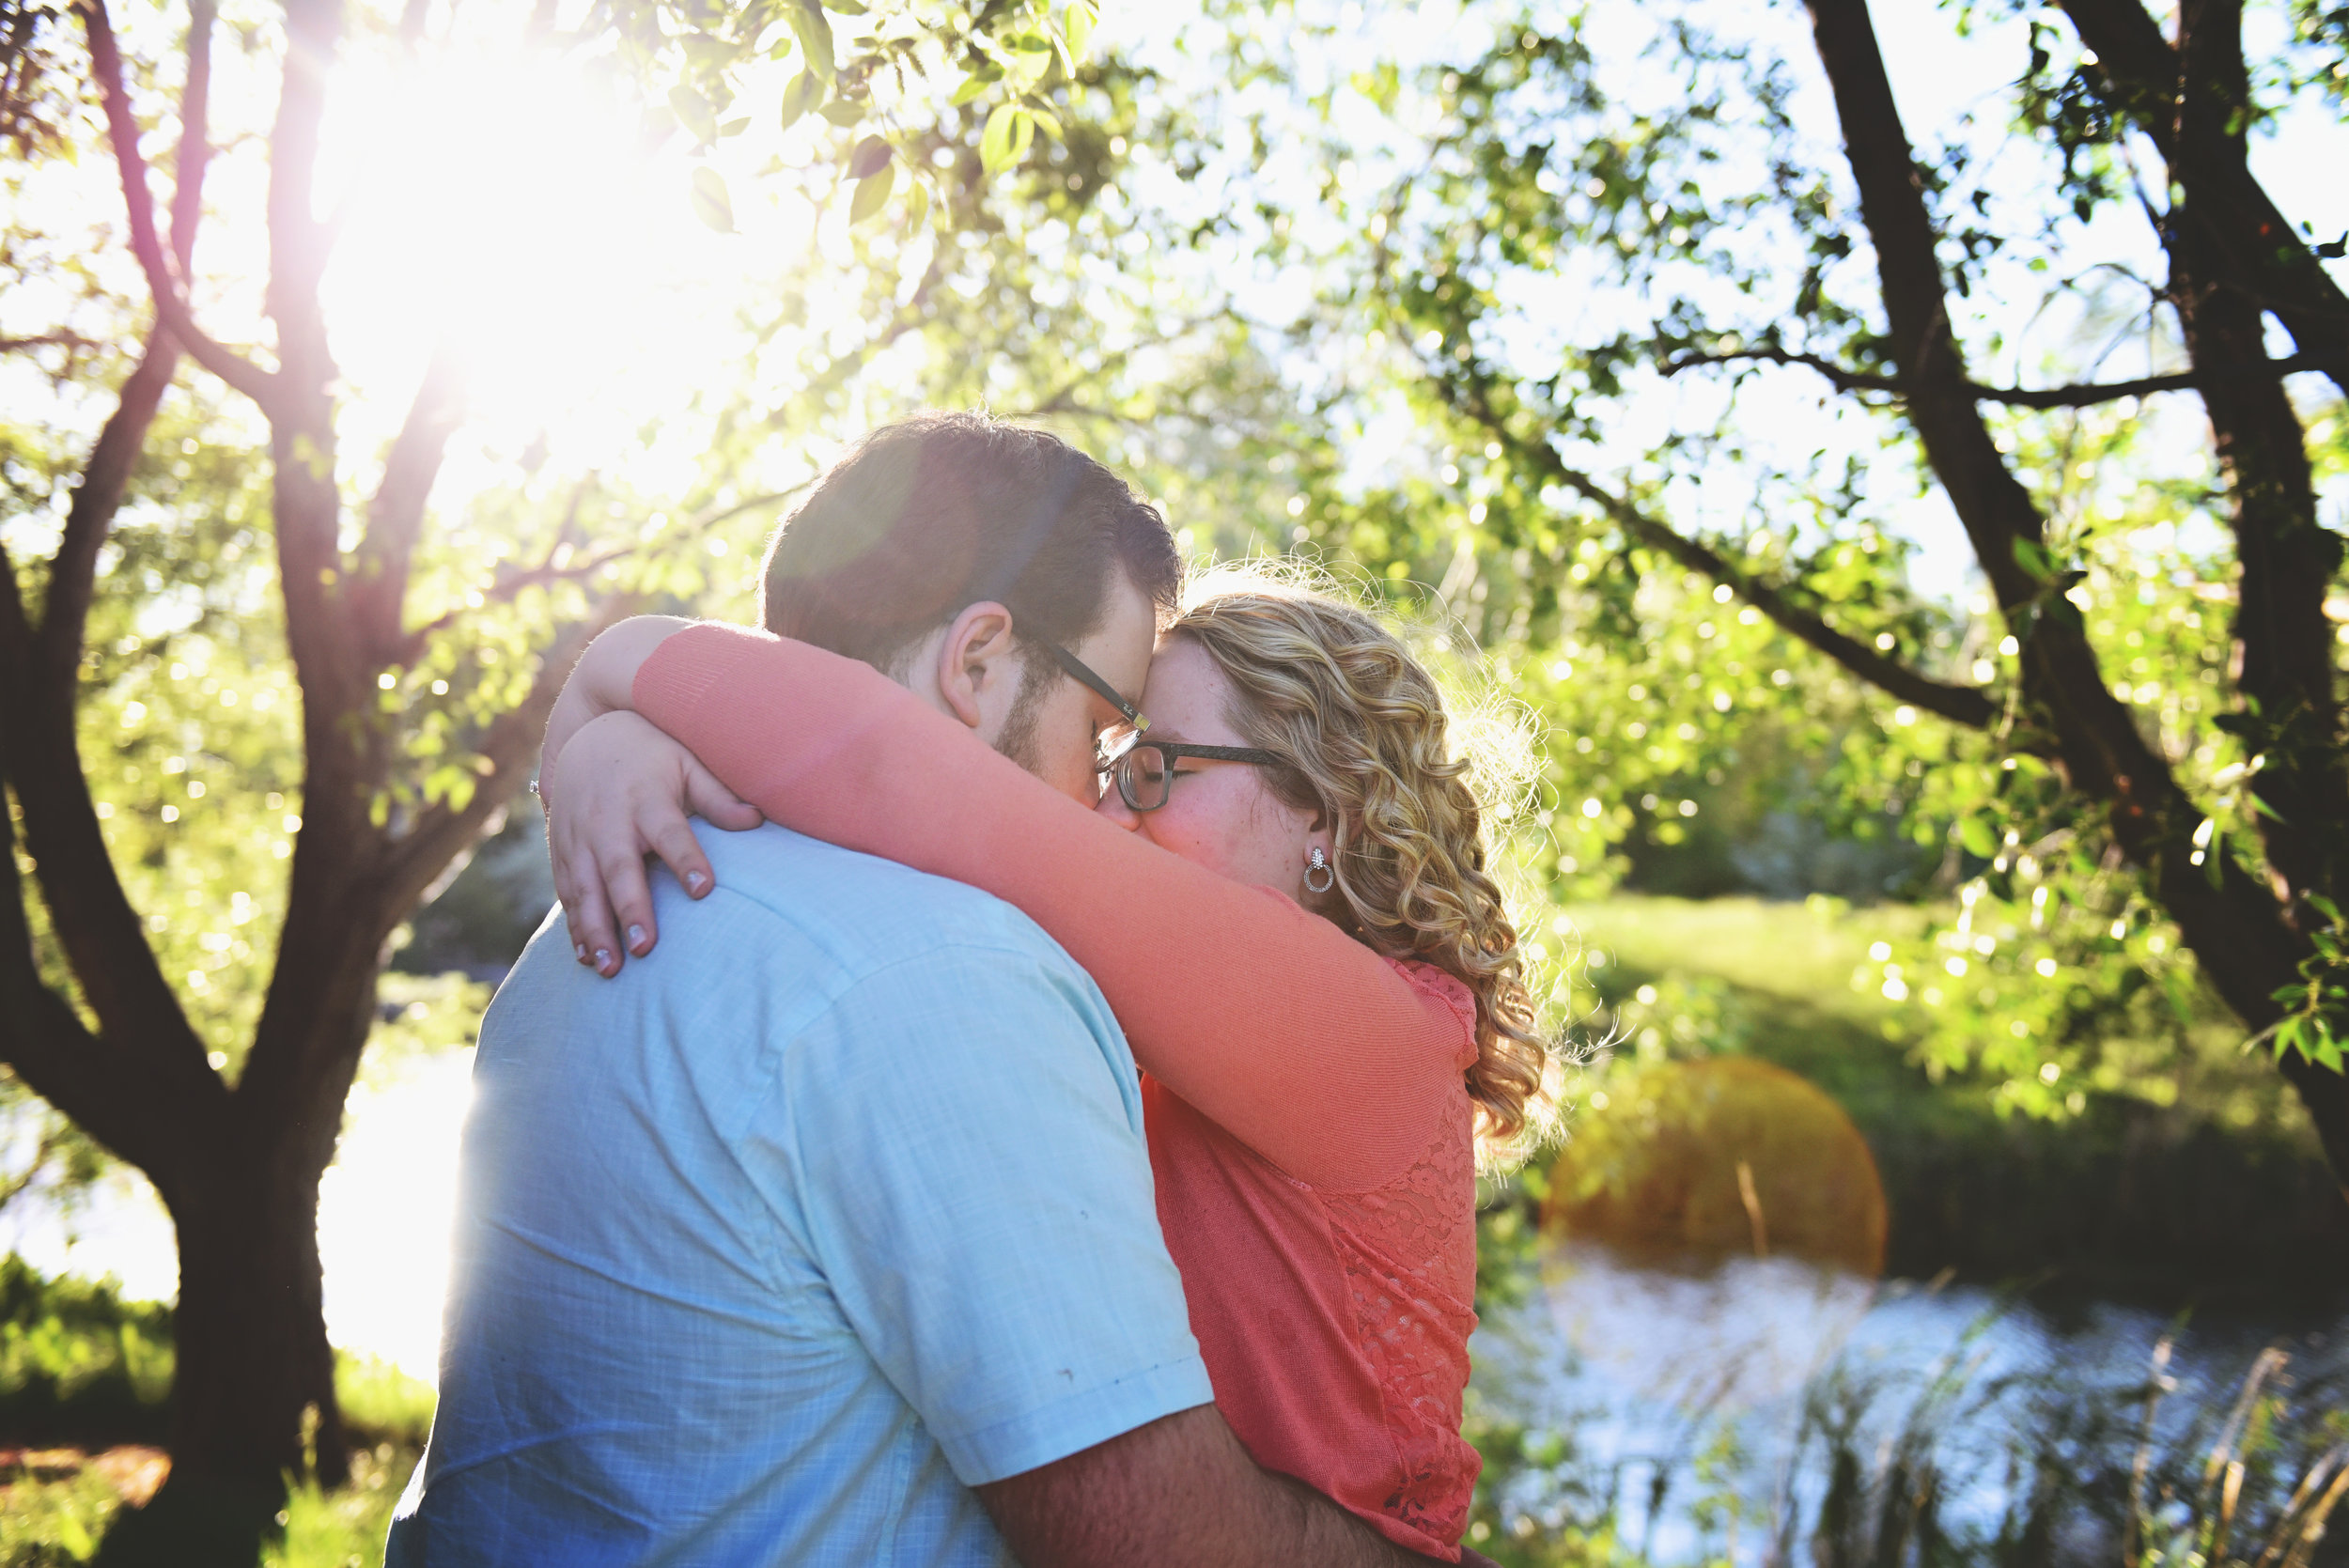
pixel 622 789
pixel 1178 1492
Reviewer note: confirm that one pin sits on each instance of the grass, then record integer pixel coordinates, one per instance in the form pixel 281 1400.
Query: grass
pixel 84 1380
pixel 78 1364
pixel 53 1514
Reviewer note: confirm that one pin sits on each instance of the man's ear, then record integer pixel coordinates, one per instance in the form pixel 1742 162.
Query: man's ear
pixel 976 657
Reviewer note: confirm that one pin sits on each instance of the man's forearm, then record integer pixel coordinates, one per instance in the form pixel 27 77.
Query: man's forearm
pixel 1327 1533
pixel 1178 1492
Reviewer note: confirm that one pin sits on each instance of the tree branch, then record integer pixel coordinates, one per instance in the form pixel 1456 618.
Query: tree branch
pixel 2139 73
pixel 195 148
pixel 55 656
pixel 443 832
pixel 104 939
pixel 2284 643
pixel 378 594
pixel 1843 378
pixel 2083 395
pixel 40 1034
pixel 143 1091
pixel 59 339
pixel 1970 705
pixel 170 301
pixel 146 1036
pixel 510 584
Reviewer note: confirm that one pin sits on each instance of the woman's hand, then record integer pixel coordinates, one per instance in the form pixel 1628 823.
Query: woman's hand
pixel 621 789
pixel 602 682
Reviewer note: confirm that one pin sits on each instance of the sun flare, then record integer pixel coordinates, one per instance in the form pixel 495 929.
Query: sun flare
pixel 510 206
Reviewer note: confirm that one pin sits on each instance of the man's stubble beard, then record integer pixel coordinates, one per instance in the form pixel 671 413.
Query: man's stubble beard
pixel 1019 738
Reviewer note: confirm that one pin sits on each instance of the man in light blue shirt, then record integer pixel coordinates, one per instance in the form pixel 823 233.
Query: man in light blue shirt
pixel 826 1234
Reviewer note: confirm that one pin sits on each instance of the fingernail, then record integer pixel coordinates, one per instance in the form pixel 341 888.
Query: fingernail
pixel 695 881
pixel 580 948
pixel 603 957
pixel 636 941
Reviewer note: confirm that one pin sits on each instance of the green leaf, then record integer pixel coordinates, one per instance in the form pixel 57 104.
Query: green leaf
pixel 735 127
pixel 843 111
pixel 707 52
pixel 2287 1038
pixel 846 8
pixel 1029 43
pixel 917 206
pixel 813 31
pixel 1978 837
pixel 693 112
pixel 803 94
pixel 871 192
pixel 1050 122
pixel 2033 558
pixel 871 156
pixel 1078 27
pixel 977 82
pixel 711 204
pixel 995 141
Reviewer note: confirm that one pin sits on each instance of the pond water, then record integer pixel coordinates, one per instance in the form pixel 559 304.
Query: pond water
pixel 1680 1403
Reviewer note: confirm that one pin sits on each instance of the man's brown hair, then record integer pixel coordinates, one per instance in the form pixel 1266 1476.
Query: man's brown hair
pixel 941 511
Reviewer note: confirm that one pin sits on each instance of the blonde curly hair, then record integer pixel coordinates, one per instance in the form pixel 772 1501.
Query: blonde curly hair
pixel 1362 726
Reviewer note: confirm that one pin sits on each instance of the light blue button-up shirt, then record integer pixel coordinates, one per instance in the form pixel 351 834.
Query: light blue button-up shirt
pixel 769 1249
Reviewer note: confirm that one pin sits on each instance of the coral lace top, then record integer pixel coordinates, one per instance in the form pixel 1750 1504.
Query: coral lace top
pixel 1308 1122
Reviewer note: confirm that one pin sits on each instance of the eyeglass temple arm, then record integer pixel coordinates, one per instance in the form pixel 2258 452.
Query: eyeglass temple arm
pixel 1108 693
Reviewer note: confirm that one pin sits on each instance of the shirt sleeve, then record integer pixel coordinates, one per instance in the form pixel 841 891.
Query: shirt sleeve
pixel 1275 1024
pixel 968 1165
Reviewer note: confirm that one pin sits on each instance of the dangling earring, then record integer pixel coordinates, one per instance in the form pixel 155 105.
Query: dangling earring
pixel 1319 866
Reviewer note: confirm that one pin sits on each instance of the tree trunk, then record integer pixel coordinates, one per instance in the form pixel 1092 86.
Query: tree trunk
pixel 252 1400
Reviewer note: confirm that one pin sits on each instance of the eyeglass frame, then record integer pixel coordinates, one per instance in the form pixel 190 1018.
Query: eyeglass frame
pixel 1085 674
pixel 1173 751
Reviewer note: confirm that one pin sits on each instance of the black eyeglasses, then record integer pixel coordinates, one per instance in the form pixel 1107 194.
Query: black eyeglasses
pixel 1107 692
pixel 1145 772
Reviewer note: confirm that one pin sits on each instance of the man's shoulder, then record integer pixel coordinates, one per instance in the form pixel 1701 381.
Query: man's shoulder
pixel 854 903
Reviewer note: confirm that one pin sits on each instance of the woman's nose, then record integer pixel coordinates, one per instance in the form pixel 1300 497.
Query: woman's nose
pixel 1114 806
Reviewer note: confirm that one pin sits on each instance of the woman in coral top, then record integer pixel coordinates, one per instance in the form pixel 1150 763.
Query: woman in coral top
pixel 1284 897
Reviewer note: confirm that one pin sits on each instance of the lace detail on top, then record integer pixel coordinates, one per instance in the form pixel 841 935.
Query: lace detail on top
pixel 1448 988
pixel 1410 1251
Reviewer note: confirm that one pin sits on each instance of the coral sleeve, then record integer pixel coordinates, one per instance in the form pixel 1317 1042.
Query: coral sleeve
pixel 1325 1058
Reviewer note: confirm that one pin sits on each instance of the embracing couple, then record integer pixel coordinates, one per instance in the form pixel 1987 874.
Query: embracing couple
pixel 1052 1138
